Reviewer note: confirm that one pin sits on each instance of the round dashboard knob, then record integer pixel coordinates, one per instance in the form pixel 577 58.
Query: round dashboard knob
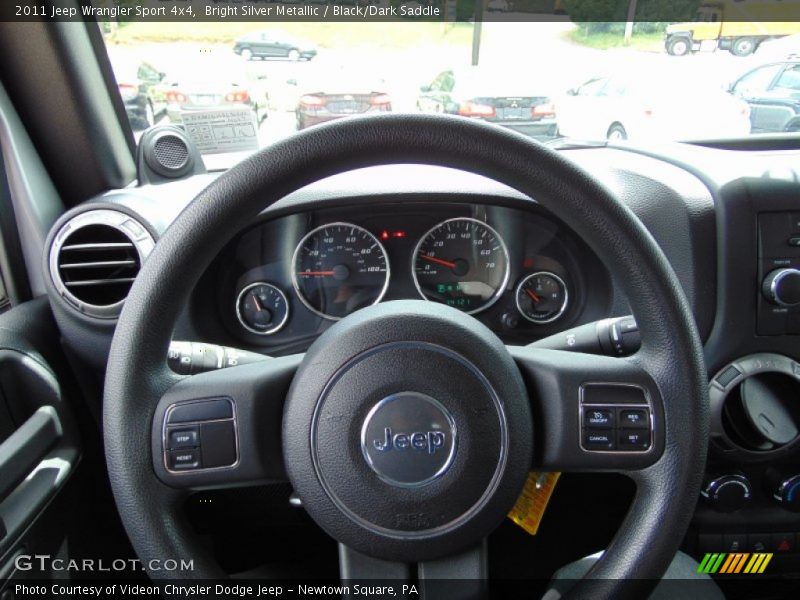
pixel 786 490
pixel 782 287
pixel 727 493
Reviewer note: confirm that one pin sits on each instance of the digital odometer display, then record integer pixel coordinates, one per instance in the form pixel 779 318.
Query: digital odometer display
pixel 339 268
pixel 462 263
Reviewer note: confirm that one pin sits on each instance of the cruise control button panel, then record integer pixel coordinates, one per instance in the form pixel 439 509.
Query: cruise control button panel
pixel 615 418
pixel 200 434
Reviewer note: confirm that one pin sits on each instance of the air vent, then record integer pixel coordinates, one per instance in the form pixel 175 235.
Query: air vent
pixel 95 258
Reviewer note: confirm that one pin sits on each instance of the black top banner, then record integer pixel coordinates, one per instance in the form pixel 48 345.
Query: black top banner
pixel 712 12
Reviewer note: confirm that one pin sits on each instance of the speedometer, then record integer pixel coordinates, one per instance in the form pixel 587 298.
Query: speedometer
pixel 462 263
pixel 339 268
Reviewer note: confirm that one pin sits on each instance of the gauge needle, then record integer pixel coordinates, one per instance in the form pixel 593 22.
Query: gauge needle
pixel 533 295
pixel 439 261
pixel 259 308
pixel 317 273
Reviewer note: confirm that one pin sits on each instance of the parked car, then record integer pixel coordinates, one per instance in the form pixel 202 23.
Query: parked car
pixel 334 97
pixel 773 92
pixel 142 89
pixel 643 106
pixel 274 43
pixel 204 93
pixel 480 94
pixel 498 6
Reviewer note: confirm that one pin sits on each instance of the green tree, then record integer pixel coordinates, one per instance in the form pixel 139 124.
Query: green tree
pixel 609 16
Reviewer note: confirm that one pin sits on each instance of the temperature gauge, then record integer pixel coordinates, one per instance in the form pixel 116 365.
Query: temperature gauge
pixel 262 308
pixel 542 297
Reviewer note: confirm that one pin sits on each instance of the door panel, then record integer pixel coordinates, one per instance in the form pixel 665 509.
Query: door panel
pixel 39 443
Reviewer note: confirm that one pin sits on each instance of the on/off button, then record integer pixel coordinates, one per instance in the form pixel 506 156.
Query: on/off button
pixel 598 418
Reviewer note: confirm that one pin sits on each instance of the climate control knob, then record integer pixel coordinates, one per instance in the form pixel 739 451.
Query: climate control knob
pixel 782 287
pixel 727 493
pixel 785 489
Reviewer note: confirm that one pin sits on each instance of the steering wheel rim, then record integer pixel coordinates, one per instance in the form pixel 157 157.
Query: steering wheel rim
pixel 137 375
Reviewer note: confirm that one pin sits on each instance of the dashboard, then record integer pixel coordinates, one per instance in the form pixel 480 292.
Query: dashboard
pixel 284 281
pixel 725 220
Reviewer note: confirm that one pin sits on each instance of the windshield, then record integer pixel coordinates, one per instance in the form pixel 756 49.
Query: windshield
pixel 553 80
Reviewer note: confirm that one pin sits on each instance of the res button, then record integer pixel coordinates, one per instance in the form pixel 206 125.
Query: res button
pixel 634 418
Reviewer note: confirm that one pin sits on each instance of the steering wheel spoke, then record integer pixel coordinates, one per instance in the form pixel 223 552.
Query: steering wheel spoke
pixel 355 566
pixel 223 428
pixel 464 575
pixel 453 577
pixel 591 412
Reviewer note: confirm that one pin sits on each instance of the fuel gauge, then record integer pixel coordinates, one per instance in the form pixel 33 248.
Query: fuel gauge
pixel 262 308
pixel 542 297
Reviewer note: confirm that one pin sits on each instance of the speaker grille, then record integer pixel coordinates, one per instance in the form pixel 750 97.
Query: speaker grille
pixel 171 152
pixel 95 259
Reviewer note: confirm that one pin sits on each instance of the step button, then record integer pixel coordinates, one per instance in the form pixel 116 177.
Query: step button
pixel 183 437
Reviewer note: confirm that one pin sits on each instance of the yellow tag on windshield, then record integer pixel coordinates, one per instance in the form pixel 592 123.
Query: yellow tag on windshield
pixel 530 506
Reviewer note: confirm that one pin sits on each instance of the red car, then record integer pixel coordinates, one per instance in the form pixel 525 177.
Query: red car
pixel 331 100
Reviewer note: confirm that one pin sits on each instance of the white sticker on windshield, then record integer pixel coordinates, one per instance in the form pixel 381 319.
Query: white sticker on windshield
pixel 221 131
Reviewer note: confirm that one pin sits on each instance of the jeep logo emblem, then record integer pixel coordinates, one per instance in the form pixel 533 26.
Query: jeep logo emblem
pixel 408 439
pixel 429 441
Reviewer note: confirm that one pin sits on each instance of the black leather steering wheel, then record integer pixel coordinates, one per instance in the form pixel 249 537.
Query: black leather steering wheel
pixel 486 401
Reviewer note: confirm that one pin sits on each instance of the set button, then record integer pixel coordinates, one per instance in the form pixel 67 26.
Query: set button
pixel 633 439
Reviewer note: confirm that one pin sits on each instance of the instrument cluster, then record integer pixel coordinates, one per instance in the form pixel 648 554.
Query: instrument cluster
pixel 522 273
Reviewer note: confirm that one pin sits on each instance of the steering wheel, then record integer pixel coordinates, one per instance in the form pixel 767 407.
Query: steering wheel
pixel 407 429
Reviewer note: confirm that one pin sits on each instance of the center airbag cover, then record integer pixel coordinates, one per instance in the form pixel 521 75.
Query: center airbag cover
pixel 408 440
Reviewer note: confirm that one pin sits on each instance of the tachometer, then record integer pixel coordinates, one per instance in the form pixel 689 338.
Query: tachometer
pixel 463 263
pixel 339 268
